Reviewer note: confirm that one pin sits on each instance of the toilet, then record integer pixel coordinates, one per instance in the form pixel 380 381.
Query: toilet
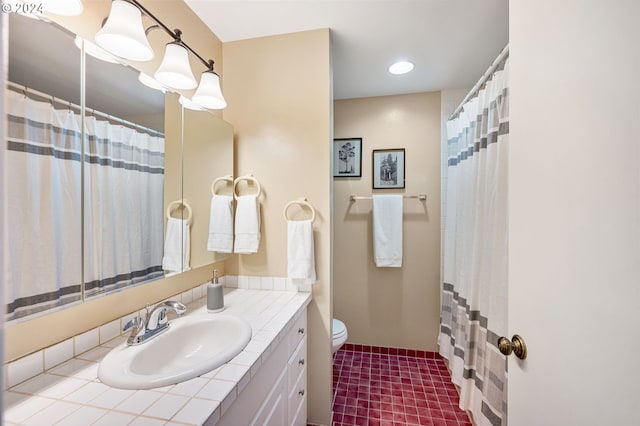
pixel 339 334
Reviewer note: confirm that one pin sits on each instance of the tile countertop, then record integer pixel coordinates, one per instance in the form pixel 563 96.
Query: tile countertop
pixel 71 394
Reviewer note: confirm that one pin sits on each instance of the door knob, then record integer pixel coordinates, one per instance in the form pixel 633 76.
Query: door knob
pixel 515 345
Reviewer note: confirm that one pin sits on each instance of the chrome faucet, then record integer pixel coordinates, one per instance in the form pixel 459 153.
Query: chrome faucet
pixel 154 323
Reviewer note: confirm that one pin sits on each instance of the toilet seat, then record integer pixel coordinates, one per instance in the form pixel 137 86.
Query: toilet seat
pixel 339 329
pixel 340 334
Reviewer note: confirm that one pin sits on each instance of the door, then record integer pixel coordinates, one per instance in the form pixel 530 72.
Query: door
pixel 574 212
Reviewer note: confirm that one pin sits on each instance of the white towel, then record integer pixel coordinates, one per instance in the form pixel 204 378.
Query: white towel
pixel 387 230
pixel 247 236
pixel 221 224
pixel 177 246
pixel 300 254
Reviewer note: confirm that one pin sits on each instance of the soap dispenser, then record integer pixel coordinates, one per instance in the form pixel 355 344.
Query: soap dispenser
pixel 215 295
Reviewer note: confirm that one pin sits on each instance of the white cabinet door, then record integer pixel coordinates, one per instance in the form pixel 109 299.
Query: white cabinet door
pixel 273 411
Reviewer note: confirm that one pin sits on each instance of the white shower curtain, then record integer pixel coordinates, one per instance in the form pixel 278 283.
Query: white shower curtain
pixel 123 206
pixel 45 216
pixel 474 297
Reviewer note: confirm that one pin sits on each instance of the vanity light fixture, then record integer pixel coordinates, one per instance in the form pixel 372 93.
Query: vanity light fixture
pixel 123 35
pixel 209 94
pixel 175 70
pixel 189 104
pixel 151 82
pixel 94 50
pixel 401 67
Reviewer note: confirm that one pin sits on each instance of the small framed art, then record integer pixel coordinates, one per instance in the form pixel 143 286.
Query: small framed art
pixel 388 168
pixel 347 157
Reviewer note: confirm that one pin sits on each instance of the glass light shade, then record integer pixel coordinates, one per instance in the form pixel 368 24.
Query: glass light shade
pixel 175 70
pixel 209 94
pixel 151 82
pixel 123 34
pixel 63 7
pixel 95 51
pixel 189 104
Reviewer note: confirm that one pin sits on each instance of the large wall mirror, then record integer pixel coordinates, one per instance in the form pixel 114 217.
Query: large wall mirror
pixel 90 187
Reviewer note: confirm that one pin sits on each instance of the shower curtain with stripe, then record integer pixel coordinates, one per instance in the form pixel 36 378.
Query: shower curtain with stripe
pixel 123 206
pixel 474 294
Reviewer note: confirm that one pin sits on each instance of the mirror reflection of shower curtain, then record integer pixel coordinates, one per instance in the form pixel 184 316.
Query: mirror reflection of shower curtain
pixel 124 206
pixel 44 205
pixel 474 295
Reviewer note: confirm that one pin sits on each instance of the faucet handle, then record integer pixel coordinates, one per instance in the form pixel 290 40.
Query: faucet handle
pixel 133 322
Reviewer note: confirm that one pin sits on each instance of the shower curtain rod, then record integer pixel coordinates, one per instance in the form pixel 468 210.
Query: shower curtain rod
pixel 25 89
pixel 476 88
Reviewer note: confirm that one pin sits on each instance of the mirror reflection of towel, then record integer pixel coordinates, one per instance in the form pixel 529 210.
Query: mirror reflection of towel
pixel 387 230
pixel 177 246
pixel 247 226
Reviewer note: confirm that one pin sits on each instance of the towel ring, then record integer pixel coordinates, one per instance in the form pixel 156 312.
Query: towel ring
pixel 247 177
pixel 303 202
pixel 186 205
pixel 227 178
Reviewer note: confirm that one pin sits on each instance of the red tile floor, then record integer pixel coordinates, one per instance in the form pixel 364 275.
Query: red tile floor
pixel 388 386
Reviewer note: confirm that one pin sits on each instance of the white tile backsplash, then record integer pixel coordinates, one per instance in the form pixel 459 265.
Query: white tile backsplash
pixel 255 283
pixel 25 368
pixel 187 297
pixel 279 284
pixel 266 283
pixel 231 281
pixel 57 354
pixel 85 341
pixel 243 281
pixel 109 331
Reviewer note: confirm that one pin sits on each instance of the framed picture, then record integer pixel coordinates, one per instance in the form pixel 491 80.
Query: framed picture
pixel 388 168
pixel 347 157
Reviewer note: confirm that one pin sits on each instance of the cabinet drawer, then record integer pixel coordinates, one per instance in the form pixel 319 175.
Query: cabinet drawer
pixel 298 363
pixel 297 332
pixel 298 400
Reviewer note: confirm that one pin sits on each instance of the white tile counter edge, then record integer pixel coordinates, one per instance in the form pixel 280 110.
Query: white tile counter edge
pixel 67 391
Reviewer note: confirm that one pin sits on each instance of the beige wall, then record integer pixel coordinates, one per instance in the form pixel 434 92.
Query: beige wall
pixel 279 94
pixel 29 336
pixel 397 307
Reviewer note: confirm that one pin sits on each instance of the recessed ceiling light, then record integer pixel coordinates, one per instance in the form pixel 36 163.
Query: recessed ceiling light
pixel 401 67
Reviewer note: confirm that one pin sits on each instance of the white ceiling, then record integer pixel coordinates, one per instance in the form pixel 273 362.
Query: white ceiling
pixel 451 42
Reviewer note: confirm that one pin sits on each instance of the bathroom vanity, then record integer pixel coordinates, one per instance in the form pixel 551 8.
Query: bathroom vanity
pixel 264 384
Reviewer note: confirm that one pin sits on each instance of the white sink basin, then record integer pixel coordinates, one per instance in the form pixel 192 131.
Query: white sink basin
pixel 192 346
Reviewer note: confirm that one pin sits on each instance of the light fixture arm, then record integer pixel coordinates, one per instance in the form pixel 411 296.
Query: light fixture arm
pixel 175 35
